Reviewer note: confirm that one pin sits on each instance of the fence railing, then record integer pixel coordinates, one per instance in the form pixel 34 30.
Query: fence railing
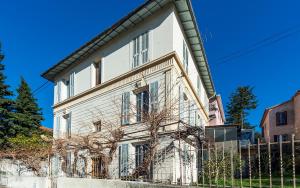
pixel 225 164
pixel 230 163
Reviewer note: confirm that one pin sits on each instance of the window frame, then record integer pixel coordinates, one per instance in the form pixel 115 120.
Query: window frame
pixel 281 118
pixel 154 101
pixel 136 52
pixel 69 169
pixel 142 105
pixel 57 126
pixel 125 109
pixel 98 72
pixel 58 97
pixel 185 57
pixel 69 125
pixel 140 154
pixel 144 47
pixel 123 164
pixel 140 49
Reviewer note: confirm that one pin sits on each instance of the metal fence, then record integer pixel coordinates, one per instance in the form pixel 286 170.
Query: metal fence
pixel 229 163
pixel 226 164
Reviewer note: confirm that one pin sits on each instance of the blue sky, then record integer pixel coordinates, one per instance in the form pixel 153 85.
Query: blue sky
pixel 36 34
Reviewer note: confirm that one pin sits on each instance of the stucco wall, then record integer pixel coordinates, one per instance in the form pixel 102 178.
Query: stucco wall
pixel 215 112
pixel 116 55
pixel 282 129
pixel 178 38
pixel 297 116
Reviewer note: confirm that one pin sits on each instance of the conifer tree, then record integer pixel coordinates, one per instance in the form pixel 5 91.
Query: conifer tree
pixel 6 107
pixel 28 113
pixel 240 103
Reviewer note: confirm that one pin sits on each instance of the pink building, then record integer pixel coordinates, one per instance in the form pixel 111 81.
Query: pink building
pixel 216 111
pixel 282 119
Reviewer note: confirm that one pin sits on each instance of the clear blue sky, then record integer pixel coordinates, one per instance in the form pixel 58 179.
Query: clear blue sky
pixel 36 34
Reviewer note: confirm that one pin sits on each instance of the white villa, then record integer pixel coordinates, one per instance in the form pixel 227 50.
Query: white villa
pixel 152 56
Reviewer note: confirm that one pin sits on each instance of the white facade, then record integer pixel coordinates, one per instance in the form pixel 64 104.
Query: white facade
pixel 164 58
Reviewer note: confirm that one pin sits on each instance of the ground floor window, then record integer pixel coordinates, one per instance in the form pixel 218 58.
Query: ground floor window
pixel 140 154
pixel 97 167
pixel 277 138
pixel 123 160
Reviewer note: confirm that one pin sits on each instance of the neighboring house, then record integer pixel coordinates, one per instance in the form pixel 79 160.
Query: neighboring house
pixel 247 137
pixel 151 56
pixel 230 135
pixel 216 111
pixel 223 133
pixel 282 119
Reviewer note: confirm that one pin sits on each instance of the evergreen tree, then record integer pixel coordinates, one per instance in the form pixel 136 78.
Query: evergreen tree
pixel 240 103
pixel 28 113
pixel 6 107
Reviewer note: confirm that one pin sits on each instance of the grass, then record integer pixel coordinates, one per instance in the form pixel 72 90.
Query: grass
pixel 265 182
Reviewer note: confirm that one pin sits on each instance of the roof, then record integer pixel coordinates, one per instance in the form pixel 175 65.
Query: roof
pixel 223 126
pixel 188 21
pixel 267 110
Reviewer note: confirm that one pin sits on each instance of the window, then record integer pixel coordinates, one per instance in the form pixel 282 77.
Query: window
pixel 67 83
pixel 154 96
pixel 140 49
pixel 55 165
pixel 58 96
pixel 168 88
pixel 142 105
pixel 71 85
pixel 192 114
pixel 123 160
pixel 199 121
pixel 68 125
pixel 145 47
pixel 97 125
pixel 136 52
pixel 81 172
pixel 185 57
pixel 98 72
pixel 97 167
pixel 281 118
pixel 57 127
pixel 69 164
pixel 277 138
pixel 186 156
pixel 125 108
pixel 285 137
pixel 140 154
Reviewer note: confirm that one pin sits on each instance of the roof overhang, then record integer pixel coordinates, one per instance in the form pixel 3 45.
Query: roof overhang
pixel 190 27
pixel 191 30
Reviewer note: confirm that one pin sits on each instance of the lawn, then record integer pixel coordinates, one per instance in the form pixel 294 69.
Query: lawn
pixel 265 182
